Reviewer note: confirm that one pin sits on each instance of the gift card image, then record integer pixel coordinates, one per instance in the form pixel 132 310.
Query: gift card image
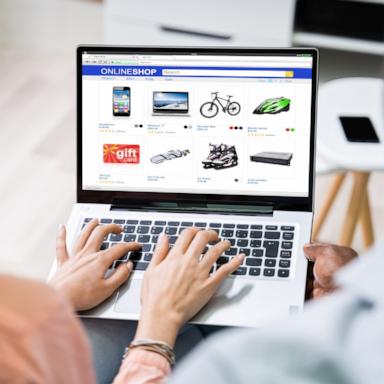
pixel 121 153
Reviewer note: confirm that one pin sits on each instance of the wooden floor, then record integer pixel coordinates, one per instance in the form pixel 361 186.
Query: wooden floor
pixel 37 129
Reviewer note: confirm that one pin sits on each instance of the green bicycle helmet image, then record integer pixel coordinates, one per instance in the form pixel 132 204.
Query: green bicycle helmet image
pixel 273 106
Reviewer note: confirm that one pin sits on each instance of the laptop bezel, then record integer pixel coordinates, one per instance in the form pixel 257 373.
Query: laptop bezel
pixel 288 203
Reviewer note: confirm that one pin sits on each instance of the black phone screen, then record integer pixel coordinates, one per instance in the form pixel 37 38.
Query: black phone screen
pixel 359 129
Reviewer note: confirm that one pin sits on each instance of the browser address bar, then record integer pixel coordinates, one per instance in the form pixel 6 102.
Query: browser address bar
pixel 226 73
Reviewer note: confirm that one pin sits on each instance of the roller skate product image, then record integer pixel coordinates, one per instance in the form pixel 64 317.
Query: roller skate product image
pixel 170 155
pixel 221 156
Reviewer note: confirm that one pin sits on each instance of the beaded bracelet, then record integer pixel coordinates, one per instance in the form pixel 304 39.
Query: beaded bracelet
pixel 159 347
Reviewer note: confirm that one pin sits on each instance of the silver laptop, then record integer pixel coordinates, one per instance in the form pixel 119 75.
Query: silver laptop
pixel 203 175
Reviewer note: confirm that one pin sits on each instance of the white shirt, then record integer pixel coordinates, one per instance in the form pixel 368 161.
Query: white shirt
pixel 338 339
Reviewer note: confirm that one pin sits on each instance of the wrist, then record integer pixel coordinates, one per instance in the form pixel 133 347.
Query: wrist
pixel 162 327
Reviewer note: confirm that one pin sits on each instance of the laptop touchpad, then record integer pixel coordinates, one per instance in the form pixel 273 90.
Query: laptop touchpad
pixel 128 299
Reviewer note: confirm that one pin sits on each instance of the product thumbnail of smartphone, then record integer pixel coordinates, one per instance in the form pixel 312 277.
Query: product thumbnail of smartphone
pixel 121 101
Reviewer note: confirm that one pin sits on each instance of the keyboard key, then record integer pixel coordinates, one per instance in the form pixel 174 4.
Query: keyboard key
pixel 270 263
pixel 104 246
pixel 163 223
pixel 171 231
pixel 283 273
pixel 148 257
pixel 115 237
pixel 146 222
pixel 140 266
pixel 232 241
pixel 154 239
pixel 129 238
pixel 129 229
pixel 241 234
pixel 222 260
pixel 143 238
pixel 286 254
pixel 231 252
pixel 173 223
pixel 284 263
pixel 113 244
pixel 257 252
pixel 240 271
pixel 253 262
pixel 119 221
pixel 146 247
pixel 272 235
pixel 186 224
pixel 242 243
pixel 142 229
pixel 117 263
pixel 228 225
pixel 181 229
pixel 271 227
pixel 87 219
pixel 156 230
pixel 255 244
pixel 256 235
pixel 286 245
pixel 226 233
pixel 246 251
pixel 172 239
pixel 254 271
pixel 135 256
pixel 269 272
pixel 287 228
pixel 256 226
pixel 106 221
pixel 132 221
pixel 215 225
pixel 242 226
pixel 288 235
pixel 200 225
pixel 271 248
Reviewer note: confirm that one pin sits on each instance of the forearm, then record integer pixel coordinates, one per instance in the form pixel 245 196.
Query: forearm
pixel 141 366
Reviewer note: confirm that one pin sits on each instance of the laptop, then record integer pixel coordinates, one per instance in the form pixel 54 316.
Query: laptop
pixel 265 213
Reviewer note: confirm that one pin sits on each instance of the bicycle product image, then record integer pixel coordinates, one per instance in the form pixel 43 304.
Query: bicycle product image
pixel 170 155
pixel 221 156
pixel 211 108
pixel 273 106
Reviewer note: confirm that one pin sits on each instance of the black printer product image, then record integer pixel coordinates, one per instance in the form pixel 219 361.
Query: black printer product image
pixel 281 158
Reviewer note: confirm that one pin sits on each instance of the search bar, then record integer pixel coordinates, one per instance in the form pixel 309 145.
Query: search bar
pixel 225 73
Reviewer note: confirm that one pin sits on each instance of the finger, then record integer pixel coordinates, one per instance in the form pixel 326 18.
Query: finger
pixel 84 235
pixel 184 240
pixel 199 242
pixel 61 245
pixel 313 250
pixel 214 253
pixel 117 252
pixel 98 235
pixel 120 276
pixel 161 250
pixel 226 269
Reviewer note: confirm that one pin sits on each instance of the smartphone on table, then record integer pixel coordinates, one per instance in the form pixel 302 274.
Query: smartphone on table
pixel 121 101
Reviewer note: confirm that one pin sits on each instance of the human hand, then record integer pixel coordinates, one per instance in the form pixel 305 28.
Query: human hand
pixel 328 259
pixel 177 283
pixel 80 277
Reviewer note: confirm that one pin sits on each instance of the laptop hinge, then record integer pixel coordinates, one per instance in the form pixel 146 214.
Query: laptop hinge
pixel 191 207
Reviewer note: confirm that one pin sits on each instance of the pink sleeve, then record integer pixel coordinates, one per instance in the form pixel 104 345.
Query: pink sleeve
pixel 41 341
pixel 143 367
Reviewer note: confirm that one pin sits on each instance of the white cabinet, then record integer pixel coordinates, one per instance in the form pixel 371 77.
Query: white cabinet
pixel 208 22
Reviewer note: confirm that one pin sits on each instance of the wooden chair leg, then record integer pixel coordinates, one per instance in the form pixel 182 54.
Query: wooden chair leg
pixel 366 221
pixel 336 183
pixel 353 212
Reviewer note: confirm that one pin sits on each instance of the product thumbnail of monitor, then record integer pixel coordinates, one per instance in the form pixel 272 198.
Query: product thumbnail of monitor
pixel 170 103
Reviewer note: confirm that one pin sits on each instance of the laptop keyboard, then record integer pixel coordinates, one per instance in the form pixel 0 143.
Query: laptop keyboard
pixel 268 248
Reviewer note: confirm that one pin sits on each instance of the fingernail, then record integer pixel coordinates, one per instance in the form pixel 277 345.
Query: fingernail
pixel 241 257
pixel 61 226
pixel 129 265
pixel 309 245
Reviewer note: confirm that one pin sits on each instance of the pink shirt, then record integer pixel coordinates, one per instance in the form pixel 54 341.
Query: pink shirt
pixel 41 341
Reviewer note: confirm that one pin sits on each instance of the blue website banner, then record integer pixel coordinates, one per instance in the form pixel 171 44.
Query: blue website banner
pixel 169 71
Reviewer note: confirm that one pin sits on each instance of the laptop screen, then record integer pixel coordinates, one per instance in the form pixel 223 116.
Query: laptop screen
pixel 226 124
